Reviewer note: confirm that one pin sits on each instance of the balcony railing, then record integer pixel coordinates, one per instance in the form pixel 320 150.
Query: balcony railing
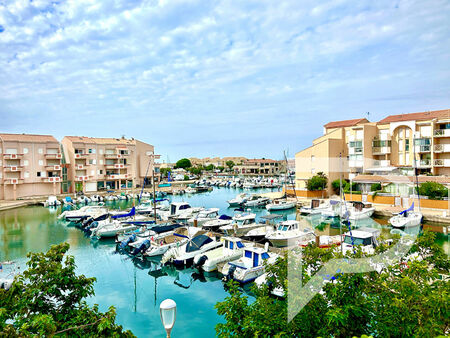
pixel 381 150
pixel 55 167
pixel 12 156
pixel 424 163
pixel 51 155
pixel 13 180
pixel 116 155
pixel 81 155
pixel 381 163
pixel 53 179
pixel 13 168
pixel 442 133
pixel 423 149
pixel 81 178
pixel 118 176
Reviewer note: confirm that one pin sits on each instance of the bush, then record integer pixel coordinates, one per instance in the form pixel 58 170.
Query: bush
pixel 317 182
pixel 433 190
pixel 375 187
pixel 186 177
pixel 345 186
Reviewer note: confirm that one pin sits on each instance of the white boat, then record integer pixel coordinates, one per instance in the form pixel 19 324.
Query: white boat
pixel 111 198
pixel 190 190
pixel 242 223
pixel 163 242
pixel 112 228
pixel 407 218
pixel 89 211
pixel 83 200
pixel 238 200
pixel 256 201
pixel 175 209
pixel 276 291
pixel 203 216
pixel 366 238
pixel 215 224
pixel 184 255
pixel 259 234
pixel 288 232
pixel 249 266
pixel 231 249
pixel 280 204
pixel 316 207
pixel 358 210
pixel 52 201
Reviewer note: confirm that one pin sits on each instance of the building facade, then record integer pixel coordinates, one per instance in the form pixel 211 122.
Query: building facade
pixel 260 167
pixel 106 163
pixel 389 146
pixel 30 165
pixel 216 161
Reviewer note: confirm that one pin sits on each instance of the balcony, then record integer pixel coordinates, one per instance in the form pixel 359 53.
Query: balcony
pixel 441 148
pixel 381 163
pixel 50 155
pixel 54 179
pixel 80 166
pixel 355 163
pixel 423 149
pixel 381 150
pixel 81 155
pixel 12 168
pixel 12 156
pixel 13 181
pixel 118 176
pixel 424 164
pixel 442 162
pixel 53 167
pixel 116 155
pixel 442 133
pixel 81 178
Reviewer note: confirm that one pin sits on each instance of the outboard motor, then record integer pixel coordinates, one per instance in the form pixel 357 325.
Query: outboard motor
pixel 201 261
pixel 87 222
pixel 230 273
pixel 141 248
pixel 91 226
pixel 127 241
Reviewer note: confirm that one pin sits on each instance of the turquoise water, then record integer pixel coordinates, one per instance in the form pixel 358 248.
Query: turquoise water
pixel 134 287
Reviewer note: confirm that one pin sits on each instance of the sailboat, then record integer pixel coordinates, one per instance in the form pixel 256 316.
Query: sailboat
pixel 406 218
pixel 281 204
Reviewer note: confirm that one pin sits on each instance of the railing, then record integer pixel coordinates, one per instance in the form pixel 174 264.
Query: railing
pixel 381 150
pixel 12 156
pixel 81 178
pixel 53 179
pixel 438 148
pixel 118 176
pixel 81 155
pixel 50 155
pixel 53 167
pixel 79 167
pixel 425 163
pixel 423 149
pixel 442 132
pixel 12 168
pixel 13 180
pixel 381 163
pixel 116 155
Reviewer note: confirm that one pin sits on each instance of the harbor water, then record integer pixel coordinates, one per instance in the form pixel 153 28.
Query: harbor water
pixel 135 287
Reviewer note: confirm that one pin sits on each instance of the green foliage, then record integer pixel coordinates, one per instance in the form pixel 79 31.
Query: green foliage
pixel 195 170
pixel 48 299
pixel 401 301
pixel 336 185
pixel 230 164
pixel 220 168
pixel 186 177
pixel 164 172
pixel 183 163
pixel 317 182
pixel 375 187
pixel 433 190
pixel 210 167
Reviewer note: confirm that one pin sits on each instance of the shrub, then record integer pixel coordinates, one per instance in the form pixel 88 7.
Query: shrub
pixel 317 182
pixel 433 190
pixel 375 187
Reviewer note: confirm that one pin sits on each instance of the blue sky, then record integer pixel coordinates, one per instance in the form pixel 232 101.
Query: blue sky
pixel 218 78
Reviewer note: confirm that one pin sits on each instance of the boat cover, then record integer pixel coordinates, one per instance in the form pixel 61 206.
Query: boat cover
pixel 131 213
pixel 165 228
pixel 411 208
pixel 197 242
pixel 225 217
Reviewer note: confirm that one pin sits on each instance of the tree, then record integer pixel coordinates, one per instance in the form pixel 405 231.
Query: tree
pixel 221 168
pixel 433 190
pixel 164 172
pixel 195 170
pixel 400 301
pixel 230 164
pixel 375 187
pixel 317 182
pixel 48 299
pixel 183 163
pixel 210 167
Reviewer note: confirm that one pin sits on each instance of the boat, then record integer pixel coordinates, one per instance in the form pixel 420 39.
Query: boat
pixel 89 211
pixel 256 201
pixel 242 223
pixel 406 218
pixel 203 216
pixel 250 265
pixel 359 210
pixel 288 232
pixel 215 224
pixel 280 204
pixel 230 250
pixel 258 235
pixel 184 255
pixel 51 201
pixel 316 207
pixel 238 200
pixel 112 229
pixel 366 238
pixel 190 190
pixel 165 241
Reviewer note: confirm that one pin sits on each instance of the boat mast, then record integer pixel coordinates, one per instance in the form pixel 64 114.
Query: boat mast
pixel 340 204
pixel 415 169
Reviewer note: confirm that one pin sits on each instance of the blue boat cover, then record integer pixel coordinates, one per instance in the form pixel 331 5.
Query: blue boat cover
pixel 131 213
pixel 197 242
pixel 225 217
pixel 68 199
pixel 411 208
pixel 165 228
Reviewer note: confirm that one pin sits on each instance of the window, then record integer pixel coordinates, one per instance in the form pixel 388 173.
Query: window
pixel 100 151
pixel 226 244
pixel 91 161
pixel 38 174
pixel 40 151
pixel 90 151
pixel 313 158
pixel 231 245
pixel 101 172
pixel 407 144
pixel 248 254
pixel 25 163
pixel 92 172
pixel 355 144
pixel 265 255
pixel 41 162
pixel 240 245
pixel 25 150
pixel 101 162
pixel 26 174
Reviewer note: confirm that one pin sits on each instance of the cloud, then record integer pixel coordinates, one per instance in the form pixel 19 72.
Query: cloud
pixel 194 72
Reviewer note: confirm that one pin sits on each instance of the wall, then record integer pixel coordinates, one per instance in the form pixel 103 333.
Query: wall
pixel 306 193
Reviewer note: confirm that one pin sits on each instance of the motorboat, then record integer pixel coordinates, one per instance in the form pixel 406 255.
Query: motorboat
pixel 238 200
pixel 322 241
pixel 51 201
pixel 184 254
pixel 230 250
pixel 280 204
pixel 85 212
pixel 83 200
pixel 316 207
pixel 242 223
pixel 258 235
pixel 366 238
pixel 358 210
pixel 203 216
pixel 148 207
pixel 161 243
pixel 288 232
pixel 175 209
pixel 190 190
pixel 96 198
pixel 112 229
pixel 256 201
pixel 407 218
pixel 250 265
pixel 215 224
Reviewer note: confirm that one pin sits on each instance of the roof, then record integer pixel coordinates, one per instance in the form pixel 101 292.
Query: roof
pixel 400 179
pixel 260 160
pixel 100 140
pixel 345 123
pixel 428 115
pixel 28 138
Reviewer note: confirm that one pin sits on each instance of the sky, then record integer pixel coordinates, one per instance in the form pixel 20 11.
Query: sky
pixel 218 78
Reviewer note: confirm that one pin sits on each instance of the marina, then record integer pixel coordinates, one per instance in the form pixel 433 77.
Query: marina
pixel 136 285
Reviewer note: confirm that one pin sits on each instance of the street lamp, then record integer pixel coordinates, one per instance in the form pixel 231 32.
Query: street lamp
pixel 168 312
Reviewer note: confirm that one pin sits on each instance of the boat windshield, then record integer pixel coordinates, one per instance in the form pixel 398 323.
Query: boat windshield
pixel 358 241
pixel 283 227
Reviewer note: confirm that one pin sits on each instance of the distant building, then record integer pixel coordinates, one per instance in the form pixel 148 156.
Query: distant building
pixel 259 167
pixel 106 163
pixel 30 165
pixel 216 161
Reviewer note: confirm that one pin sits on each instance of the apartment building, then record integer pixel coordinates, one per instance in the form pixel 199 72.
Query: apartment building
pixel 260 167
pixel 388 146
pixel 30 165
pixel 216 161
pixel 106 163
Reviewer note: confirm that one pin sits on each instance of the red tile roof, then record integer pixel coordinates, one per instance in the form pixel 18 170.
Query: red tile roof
pixel 28 138
pixel 427 115
pixel 345 123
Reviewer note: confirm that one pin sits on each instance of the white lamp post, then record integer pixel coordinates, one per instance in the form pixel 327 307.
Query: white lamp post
pixel 168 312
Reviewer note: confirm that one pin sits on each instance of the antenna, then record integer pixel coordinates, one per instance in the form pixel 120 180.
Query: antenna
pixel 368 115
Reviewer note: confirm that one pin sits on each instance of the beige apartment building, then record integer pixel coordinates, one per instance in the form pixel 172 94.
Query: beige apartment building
pixel 30 165
pixel 106 163
pixel 216 161
pixel 260 167
pixel 388 146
